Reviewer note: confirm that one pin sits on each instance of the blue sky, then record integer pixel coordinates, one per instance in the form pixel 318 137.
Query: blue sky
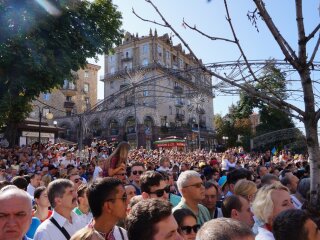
pixel 210 17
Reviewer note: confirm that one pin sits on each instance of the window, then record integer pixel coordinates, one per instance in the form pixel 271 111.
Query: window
pixel 167 55
pixel 112 70
pixel 112 84
pixel 86 74
pixel 86 87
pixel 170 110
pixel 145 49
pixel 46 96
pixel 159 51
pixel 145 93
pixel 68 98
pixel 87 101
pixel 145 62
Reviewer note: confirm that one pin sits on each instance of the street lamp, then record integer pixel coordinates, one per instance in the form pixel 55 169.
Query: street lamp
pixel 225 139
pixel 48 116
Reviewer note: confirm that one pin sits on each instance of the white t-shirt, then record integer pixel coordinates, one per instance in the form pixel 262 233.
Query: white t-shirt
pixel 96 172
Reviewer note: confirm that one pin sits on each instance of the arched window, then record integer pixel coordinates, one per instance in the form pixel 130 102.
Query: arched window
pixel 113 127
pixel 130 125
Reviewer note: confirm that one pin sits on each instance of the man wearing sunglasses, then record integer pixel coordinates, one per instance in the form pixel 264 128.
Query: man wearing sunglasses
pixel 137 169
pixel 153 185
pixel 108 203
pixel 191 187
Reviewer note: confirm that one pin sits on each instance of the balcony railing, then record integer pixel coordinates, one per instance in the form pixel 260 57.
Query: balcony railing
pixel 179 117
pixel 68 104
pixel 178 90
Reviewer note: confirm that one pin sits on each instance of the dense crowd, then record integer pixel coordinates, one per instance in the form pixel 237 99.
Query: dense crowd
pixel 108 191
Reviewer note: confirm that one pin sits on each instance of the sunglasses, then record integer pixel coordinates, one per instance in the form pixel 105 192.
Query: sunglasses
pixel 121 174
pixel 137 172
pixel 197 185
pixel 187 229
pixel 160 192
pixel 77 180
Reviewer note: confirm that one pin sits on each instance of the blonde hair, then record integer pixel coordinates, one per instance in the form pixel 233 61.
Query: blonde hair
pixel 245 188
pixel 262 206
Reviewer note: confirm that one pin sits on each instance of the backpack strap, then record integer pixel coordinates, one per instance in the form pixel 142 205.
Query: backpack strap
pixel 62 229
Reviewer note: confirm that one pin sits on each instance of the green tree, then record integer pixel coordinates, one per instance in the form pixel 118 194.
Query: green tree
pixel 271 118
pixel 40 43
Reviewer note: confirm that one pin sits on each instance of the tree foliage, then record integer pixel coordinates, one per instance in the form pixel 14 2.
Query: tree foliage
pixel 42 41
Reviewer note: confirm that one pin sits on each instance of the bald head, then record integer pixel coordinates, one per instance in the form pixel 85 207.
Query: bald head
pixel 16 212
pixel 11 191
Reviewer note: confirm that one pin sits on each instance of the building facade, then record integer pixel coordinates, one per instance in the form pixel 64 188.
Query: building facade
pixel 152 90
pixel 71 99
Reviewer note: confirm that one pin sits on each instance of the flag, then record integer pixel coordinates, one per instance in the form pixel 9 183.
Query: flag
pixel 274 151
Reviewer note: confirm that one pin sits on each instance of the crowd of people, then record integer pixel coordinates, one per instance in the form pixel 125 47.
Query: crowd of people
pixel 107 191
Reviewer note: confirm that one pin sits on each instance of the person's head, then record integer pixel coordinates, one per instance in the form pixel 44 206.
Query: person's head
pixel 20 182
pixel 41 197
pixel 235 175
pixel 82 196
pixel 121 151
pixel 269 179
pixel 107 199
pixel 238 208
pixel 121 175
pixel 152 219
pixel 304 188
pixel 225 229
pixel 164 162
pixel 290 181
pixel 153 185
pixel 295 224
pixel 211 196
pixel 15 213
pixel 190 186
pixel 76 179
pixel 131 191
pixel 62 196
pixel 187 223
pixel 246 189
pixel 137 169
pixel 35 179
pixel 270 201
pixel 262 170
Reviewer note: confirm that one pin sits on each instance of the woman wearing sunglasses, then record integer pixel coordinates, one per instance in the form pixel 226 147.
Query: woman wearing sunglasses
pixel 187 223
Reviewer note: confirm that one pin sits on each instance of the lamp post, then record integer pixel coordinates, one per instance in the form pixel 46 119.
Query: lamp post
pixel 225 139
pixel 49 116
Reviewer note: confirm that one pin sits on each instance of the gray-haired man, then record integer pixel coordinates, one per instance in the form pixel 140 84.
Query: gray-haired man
pixel 191 187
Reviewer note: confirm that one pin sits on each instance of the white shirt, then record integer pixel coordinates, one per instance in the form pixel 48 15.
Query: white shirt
pixel 30 189
pixel 296 203
pixel 264 234
pixel 48 231
pixel 96 172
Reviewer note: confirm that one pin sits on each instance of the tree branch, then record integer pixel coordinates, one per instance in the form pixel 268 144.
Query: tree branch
pixel 311 35
pixel 206 35
pixel 283 44
pixel 314 52
pixel 301 33
pixel 147 20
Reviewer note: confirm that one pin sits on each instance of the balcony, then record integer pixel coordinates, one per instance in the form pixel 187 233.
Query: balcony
pixel 69 90
pixel 68 105
pixel 126 59
pixel 179 117
pixel 179 104
pixel 178 90
pixel 125 85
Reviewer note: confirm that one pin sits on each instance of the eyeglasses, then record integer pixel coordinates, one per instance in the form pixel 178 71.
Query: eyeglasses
pixel 137 172
pixel 197 185
pixel 187 229
pixel 121 174
pixel 160 192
